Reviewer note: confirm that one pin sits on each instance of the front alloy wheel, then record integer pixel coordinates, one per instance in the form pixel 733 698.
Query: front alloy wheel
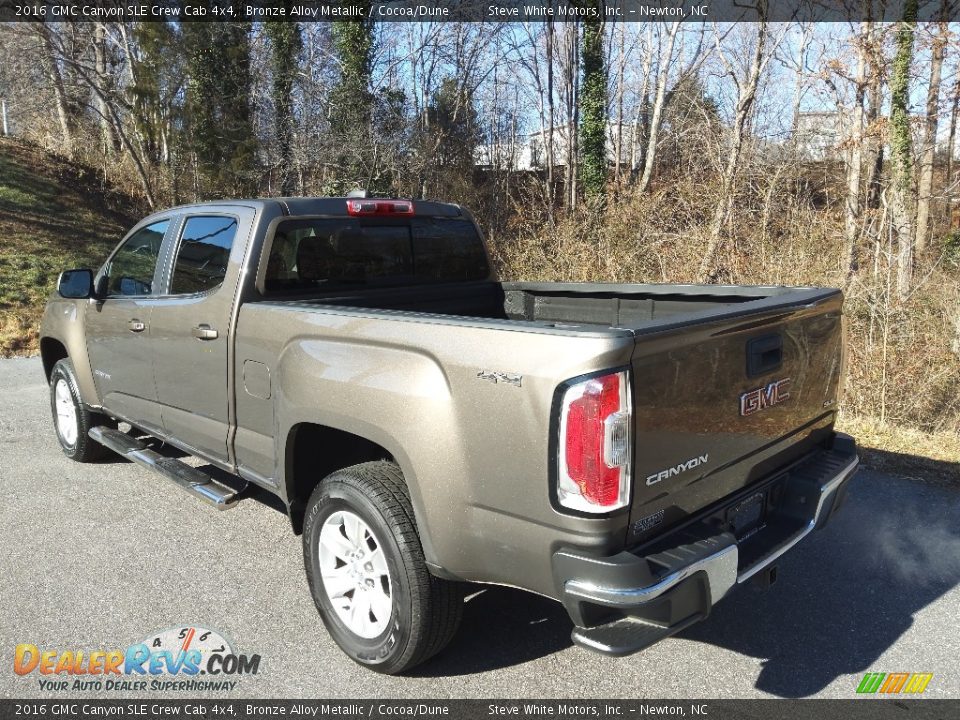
pixel 71 418
pixel 66 413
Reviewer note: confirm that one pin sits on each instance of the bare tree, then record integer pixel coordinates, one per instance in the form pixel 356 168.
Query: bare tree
pixel 570 89
pixel 660 94
pixel 666 61
pixel 551 35
pixel 525 51
pixel 49 57
pixel 100 51
pixel 852 211
pixel 800 68
pixel 874 148
pixel 641 121
pixel 930 123
pixel 902 196
pixel 746 88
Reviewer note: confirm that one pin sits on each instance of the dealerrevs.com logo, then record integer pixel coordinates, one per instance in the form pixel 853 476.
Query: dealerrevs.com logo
pixel 187 658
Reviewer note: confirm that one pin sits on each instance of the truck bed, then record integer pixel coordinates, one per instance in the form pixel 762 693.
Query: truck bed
pixel 567 306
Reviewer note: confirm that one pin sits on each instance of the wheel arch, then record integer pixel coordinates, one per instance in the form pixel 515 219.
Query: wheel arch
pixel 312 451
pixel 52 351
pixel 62 337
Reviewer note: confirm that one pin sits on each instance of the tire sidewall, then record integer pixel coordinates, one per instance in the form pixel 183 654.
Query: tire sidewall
pixel 63 371
pixel 382 652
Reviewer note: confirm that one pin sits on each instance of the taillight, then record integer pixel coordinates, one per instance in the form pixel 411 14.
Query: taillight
pixel 379 207
pixel 595 445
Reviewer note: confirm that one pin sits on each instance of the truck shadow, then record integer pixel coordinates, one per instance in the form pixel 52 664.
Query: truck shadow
pixel 502 627
pixel 850 591
pixel 844 597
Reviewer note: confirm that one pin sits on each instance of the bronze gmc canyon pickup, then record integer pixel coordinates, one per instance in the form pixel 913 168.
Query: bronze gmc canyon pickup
pixel 633 451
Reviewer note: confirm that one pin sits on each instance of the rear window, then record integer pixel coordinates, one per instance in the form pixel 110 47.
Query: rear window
pixel 328 254
pixel 203 254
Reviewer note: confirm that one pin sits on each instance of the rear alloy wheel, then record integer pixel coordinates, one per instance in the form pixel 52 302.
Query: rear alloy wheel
pixel 367 572
pixel 355 575
pixel 71 418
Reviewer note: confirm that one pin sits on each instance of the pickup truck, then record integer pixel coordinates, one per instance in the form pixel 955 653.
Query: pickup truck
pixel 633 451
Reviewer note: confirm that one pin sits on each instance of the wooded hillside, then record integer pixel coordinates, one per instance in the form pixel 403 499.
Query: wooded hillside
pixel 759 152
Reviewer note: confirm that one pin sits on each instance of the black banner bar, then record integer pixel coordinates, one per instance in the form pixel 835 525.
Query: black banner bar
pixel 468 10
pixel 873 708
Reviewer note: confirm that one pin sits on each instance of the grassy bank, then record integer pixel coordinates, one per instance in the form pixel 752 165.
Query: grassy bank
pixel 907 452
pixel 53 215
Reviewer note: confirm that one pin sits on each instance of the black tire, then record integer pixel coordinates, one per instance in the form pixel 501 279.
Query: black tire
pixel 426 610
pixel 82 448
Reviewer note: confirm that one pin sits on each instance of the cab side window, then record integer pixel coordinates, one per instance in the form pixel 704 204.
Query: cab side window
pixel 130 271
pixel 203 254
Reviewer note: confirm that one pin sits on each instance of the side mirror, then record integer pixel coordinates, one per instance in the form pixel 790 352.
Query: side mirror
pixel 75 284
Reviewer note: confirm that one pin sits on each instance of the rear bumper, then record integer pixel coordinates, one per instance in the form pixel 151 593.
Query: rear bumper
pixel 624 603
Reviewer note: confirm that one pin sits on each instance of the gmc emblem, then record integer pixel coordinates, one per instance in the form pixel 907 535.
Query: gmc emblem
pixel 763 397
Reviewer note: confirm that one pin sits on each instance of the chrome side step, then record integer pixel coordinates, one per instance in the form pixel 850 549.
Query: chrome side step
pixel 194 481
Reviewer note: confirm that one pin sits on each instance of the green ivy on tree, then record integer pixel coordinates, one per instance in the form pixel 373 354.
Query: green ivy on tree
pixel 593 109
pixel 285 46
pixel 220 128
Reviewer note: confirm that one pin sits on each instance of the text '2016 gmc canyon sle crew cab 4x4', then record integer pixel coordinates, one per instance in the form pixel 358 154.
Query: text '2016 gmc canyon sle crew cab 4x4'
pixel 633 451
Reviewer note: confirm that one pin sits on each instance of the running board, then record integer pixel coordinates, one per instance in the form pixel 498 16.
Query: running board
pixel 194 481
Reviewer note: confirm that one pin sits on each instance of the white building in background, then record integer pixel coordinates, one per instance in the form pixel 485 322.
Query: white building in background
pixel 503 156
pixel 820 136
pixel 817 135
pixel 530 153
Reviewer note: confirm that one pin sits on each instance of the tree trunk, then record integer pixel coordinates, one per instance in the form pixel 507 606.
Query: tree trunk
pixel 548 143
pixel 52 70
pixel 852 208
pixel 100 70
pixel 952 136
pixel 901 155
pixel 592 128
pixel 930 136
pixel 640 125
pixel 663 76
pixel 873 155
pixel 748 93
pixel 573 114
pixel 618 149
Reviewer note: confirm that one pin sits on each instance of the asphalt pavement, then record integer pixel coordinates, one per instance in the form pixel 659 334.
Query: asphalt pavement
pixel 103 555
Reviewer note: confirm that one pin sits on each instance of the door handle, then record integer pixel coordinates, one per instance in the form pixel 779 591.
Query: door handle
pixel 205 332
pixel 136 325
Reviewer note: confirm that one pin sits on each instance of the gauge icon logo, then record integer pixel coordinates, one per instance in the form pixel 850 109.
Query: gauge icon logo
pixel 184 638
pixel 194 649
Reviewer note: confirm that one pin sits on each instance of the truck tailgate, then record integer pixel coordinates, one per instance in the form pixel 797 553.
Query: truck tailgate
pixel 725 400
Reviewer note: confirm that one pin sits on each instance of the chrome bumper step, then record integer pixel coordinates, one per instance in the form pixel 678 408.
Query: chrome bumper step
pixel 626 602
pixel 187 478
pixel 627 635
